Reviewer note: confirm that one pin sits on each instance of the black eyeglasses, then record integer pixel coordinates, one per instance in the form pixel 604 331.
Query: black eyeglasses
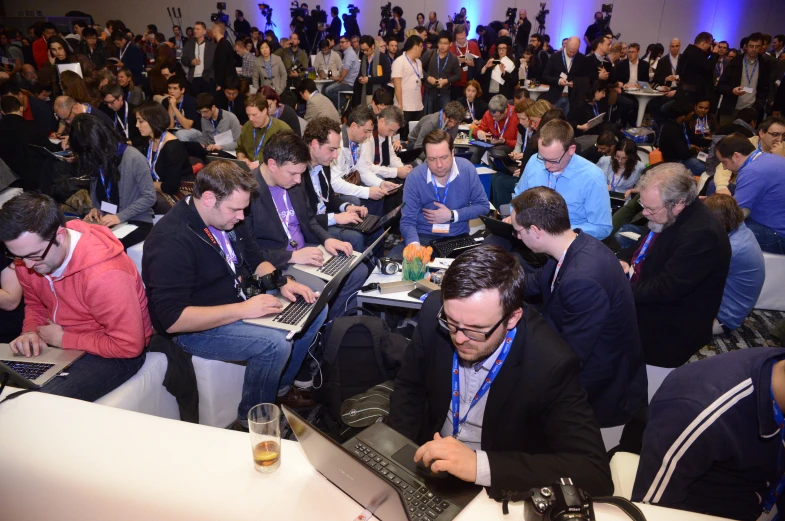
pixel 552 161
pixel 477 336
pixel 34 258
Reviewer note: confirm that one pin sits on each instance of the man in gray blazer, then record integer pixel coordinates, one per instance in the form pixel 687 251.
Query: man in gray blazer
pixel 317 104
pixel 198 56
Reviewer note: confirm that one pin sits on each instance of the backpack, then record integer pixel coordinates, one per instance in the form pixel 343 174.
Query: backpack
pixel 358 353
pixel 365 409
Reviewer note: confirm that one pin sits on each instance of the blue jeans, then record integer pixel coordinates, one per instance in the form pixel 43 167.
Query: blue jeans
pixel 353 237
pixel 436 100
pixel 626 242
pixel 769 240
pixel 563 103
pixel 265 351
pixel 93 376
pixel 332 91
pixel 694 165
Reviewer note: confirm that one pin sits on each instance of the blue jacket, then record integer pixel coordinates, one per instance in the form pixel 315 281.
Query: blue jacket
pixel 592 309
pixel 465 195
pixel 745 278
pixel 711 444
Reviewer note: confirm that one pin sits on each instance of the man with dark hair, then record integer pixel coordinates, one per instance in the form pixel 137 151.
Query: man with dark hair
pixel 465 50
pixel 478 332
pixel 380 100
pixel 396 26
pixel 760 188
pixel 242 28
pixel 746 81
pixel 250 147
pixel 201 304
pixel 224 56
pixel 674 144
pixel 33 108
pixel 115 106
pixel 696 69
pixel 350 70
pixel 217 125
pixel 448 119
pixel 588 301
pixel 41 45
pixel 596 30
pixel 779 46
pixel 375 70
pixel 598 67
pixel 179 39
pixel 378 160
pixel 407 78
pixel 442 70
pixel 317 105
pixel 335 23
pixel 67 305
pixel 230 98
pixel 327 62
pixel 199 57
pixel 130 56
pixel 93 47
pixel 441 196
pixel 182 110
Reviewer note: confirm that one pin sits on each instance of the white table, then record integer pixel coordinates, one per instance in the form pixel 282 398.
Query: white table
pixel 321 84
pixel 72 460
pixel 399 299
pixel 643 100
pixel 534 92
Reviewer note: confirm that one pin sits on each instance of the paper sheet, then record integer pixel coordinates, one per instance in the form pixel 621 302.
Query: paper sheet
pixel 224 138
pixel 75 67
pixel 123 230
pixel 496 74
pixel 631 235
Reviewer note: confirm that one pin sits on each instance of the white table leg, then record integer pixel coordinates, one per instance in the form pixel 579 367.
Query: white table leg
pixel 642 102
pixel 533 94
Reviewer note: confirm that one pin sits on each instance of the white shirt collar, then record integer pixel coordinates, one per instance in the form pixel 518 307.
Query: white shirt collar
pixel 453 174
pixel 74 236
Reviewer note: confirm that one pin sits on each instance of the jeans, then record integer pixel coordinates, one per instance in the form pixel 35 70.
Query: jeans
pixel 190 134
pixel 502 186
pixel 627 109
pixel 497 150
pixel 563 103
pixel 265 351
pixel 769 240
pixel 332 91
pixel 93 376
pixel 436 100
pixel 626 242
pixel 694 165
pixel 353 237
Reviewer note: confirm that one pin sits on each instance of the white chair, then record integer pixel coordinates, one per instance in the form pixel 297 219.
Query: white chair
pixel 624 467
pixel 220 386
pixel 135 252
pixel 413 124
pixel 702 181
pixel 772 296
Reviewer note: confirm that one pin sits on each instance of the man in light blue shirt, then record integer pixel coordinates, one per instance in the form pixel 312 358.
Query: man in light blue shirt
pixel 580 182
pixel 350 69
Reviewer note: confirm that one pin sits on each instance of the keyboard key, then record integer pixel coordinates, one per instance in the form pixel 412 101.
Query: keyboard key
pixel 444 504
pixel 438 509
pixel 404 485
pixel 367 459
pixel 370 462
pixel 397 481
pixel 423 490
pixel 358 453
pixel 391 476
pixel 437 500
pixel 417 496
pixel 378 467
pixel 408 498
pixel 385 472
pixel 384 463
pixel 429 495
pixel 431 513
pixel 377 459
pixel 422 508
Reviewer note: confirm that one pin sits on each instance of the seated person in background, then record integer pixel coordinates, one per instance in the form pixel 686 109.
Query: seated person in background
pixel 278 110
pixel 622 169
pixel 67 108
pixel 121 187
pixel 473 103
pixel 760 189
pixel 81 291
pixel 216 121
pixel 327 62
pixel 230 98
pixel 675 302
pixel 477 320
pixel 350 69
pixel 581 183
pixel 317 105
pixel 499 127
pixel 183 115
pixel 605 146
pixel 503 181
pixel 433 210
pixel 34 109
pixel 323 137
pixel 448 119
pixel 201 304
pixel 250 146
pixel 702 125
pixel 722 418
pixel 675 142
pixel 122 114
pixel 536 114
pixel 380 100
pixel 12 312
pixel 587 106
pixel 745 123
pixel 283 223
pixel 378 160
pixel 167 156
pixel 747 270
pixel 587 300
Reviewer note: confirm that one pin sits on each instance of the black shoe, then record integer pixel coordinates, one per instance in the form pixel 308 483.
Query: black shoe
pixel 296 399
pixel 237 426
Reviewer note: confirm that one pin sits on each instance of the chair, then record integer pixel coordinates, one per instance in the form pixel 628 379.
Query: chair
pixel 624 467
pixel 413 124
pixel 771 295
pixel 220 386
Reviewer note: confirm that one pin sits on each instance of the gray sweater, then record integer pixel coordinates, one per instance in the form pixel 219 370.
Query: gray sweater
pixel 137 193
pixel 226 121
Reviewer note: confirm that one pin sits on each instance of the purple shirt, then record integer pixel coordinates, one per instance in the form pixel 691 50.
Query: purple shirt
pixel 223 242
pixel 760 187
pixel 288 218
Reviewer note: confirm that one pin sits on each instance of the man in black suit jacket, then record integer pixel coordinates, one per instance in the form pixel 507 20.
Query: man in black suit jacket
pixel 570 62
pixel 230 98
pixel 34 109
pixel 598 67
pixel 531 422
pixel 735 78
pixel 678 269
pixel 223 62
pixel 696 69
pixel 587 299
pixel 632 70
pixel 374 75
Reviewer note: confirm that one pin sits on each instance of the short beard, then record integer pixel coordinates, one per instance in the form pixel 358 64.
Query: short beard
pixel 658 228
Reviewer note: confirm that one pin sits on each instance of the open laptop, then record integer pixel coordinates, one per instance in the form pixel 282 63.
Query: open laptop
pixel 239 162
pixel 60 155
pixel 593 122
pixel 371 223
pixel 505 164
pixel 335 263
pixel 451 247
pixel 376 468
pixel 34 372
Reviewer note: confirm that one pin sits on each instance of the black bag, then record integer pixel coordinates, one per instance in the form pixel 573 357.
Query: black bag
pixel 358 353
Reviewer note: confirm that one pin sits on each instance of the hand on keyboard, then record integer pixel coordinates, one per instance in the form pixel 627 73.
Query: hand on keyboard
pixel 293 289
pixel 449 455
pixel 261 305
pixel 311 256
pixel 348 217
pixel 28 344
pixel 334 246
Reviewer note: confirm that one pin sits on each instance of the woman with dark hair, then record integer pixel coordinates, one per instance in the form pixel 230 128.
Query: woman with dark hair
pixel 676 142
pixel 281 111
pixel 269 69
pixel 588 106
pixel 530 66
pixel 502 62
pixel 60 54
pixel 420 20
pixel 121 187
pixel 623 168
pixel 167 157
pixel 269 35
pixel 71 84
pixel 653 54
pixel 133 94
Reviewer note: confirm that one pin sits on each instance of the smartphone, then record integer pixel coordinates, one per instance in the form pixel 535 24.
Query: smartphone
pixel 496 62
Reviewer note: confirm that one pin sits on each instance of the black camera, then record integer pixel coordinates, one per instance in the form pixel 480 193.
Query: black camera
pixel 562 501
pixel 387 11
pixel 220 16
pixel 388 266
pixel 261 284
pixel 318 15
pixel 297 11
pixel 511 12
pixel 540 18
pixel 221 6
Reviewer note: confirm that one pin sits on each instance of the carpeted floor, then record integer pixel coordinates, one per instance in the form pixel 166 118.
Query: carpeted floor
pixel 755 332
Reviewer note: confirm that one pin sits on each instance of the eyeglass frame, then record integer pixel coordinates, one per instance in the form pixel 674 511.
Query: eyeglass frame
pixel 775 135
pixel 647 209
pixel 446 325
pixel 34 258
pixel 551 161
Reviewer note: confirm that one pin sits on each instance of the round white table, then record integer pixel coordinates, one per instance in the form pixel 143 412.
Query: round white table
pixel 534 92
pixel 643 100
pixel 321 84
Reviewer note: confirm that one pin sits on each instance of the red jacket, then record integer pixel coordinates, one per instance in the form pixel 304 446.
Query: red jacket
pixel 488 125
pixel 41 52
pixel 472 48
pixel 99 301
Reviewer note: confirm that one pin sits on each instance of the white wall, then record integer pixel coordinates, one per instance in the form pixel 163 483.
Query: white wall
pixel 643 21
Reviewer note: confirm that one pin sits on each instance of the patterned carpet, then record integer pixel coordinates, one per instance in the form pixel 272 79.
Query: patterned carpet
pixel 755 332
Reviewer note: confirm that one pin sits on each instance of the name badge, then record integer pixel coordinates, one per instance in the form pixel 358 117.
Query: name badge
pixel 321 208
pixel 466 67
pixel 441 228
pixel 563 76
pixel 748 90
pixel 703 156
pixel 108 207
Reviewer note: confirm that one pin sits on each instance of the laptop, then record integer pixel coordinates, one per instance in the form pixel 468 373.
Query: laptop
pixel 451 247
pixel 371 223
pixel 333 264
pixel 60 155
pixel 505 164
pixel 35 372
pixel 593 122
pixel 408 156
pixel 239 162
pixel 376 468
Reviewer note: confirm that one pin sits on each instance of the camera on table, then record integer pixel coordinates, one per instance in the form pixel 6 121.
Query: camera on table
pixel 261 284
pixel 562 501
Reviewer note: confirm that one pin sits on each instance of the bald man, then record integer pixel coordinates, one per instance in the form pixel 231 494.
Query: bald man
pixel 223 65
pixel 561 71
pixel 434 25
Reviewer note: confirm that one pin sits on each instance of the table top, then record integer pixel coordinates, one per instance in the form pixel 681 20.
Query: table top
pixel 377 276
pixel 643 93
pixel 538 88
pixel 323 81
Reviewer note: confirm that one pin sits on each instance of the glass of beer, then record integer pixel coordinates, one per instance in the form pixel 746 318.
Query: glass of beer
pixel 264 425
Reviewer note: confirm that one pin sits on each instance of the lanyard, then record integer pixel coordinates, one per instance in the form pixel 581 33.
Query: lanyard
pixel 261 141
pixel 285 222
pixel 227 252
pixel 686 135
pixel 506 122
pixel 643 252
pixel 552 184
pixel 215 127
pixel 326 60
pixel 117 122
pixel 88 108
pixel 180 109
pixel 439 66
pixel 152 158
pixel 278 112
pixel 750 76
pixel 471 108
pixel 268 66
pixel 615 180
pixel 441 119
pixel 778 487
pixel 558 266
pixel 595 109
pixel 673 67
pixel 441 200
pixel 107 186
pixel 368 68
pixel 752 158
pixel 702 125
pixel 419 76
pixel 231 106
pixel 197 49
pixel 720 67
pixel 123 51
pixel 317 187
pixel 456 385
pixel 564 58
pixel 354 151
pixel 525 139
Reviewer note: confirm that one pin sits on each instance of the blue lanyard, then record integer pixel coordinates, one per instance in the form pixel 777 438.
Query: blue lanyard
pixel 117 120
pixel 686 135
pixel 750 76
pixel 215 127
pixel 368 68
pixel 751 158
pixel 326 60
pixel 441 200
pixel 89 108
pixel 180 108
pixel 471 108
pixel 107 186
pixel 456 385
pixel 702 126
pixel 644 250
pixel 564 59
pixel 776 490
pixel 614 185
pixel 439 66
pixel 551 183
pixel 354 149
pixel 506 122
pixel 197 50
pixel 152 158
pixel 419 77
pixel 595 109
pixel 525 139
pixel 231 106
pixel 269 68
pixel 261 142
pixel 441 119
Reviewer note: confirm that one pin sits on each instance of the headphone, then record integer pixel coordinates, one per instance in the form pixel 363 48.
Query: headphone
pixel 388 266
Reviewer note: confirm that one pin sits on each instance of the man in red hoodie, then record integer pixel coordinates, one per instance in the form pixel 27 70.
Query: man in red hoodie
pixel 41 45
pixel 81 292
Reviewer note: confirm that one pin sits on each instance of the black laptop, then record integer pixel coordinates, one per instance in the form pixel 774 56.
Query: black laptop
pixel 371 223
pixel 451 247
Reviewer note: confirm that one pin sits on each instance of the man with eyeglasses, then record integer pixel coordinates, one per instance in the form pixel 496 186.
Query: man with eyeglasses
pixel 67 108
pixel 65 270
pixel 375 70
pixel 499 127
pixel 507 368
pixel 115 106
pixel 746 81
pixel 677 269
pixel 350 69
pixel 580 182
pixel 588 301
pixel 217 125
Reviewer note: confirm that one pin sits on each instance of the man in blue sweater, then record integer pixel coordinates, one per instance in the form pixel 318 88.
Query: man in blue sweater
pixel 580 182
pixel 442 196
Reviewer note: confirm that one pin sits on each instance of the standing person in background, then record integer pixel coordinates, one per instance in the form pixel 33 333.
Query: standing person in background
pixel 269 69
pixel 442 71
pixel 407 74
pixel 242 27
pixel 522 32
pixel 396 27
pixel 198 55
pixel 335 24
pixel 375 70
pixel 41 45
pixel 224 56
pixel 178 40
pixel 595 30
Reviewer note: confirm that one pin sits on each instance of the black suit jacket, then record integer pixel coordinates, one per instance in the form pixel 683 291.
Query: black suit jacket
pixel 223 63
pixel 623 71
pixel 238 109
pixel 15 134
pixel 537 424
pixel 553 70
pixel 664 70
pixel 679 290
pixel 43 114
pixel 731 78
pixel 696 73
pixel 593 69
pixel 333 205
pixel 133 133
pixel 266 226
pixel 592 309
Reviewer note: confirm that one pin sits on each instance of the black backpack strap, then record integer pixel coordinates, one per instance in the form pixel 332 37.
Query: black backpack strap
pixel 334 337
pixel 624 505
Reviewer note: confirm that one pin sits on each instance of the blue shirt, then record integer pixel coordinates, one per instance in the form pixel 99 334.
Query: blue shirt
pixel 583 186
pixel 619 184
pixel 760 188
pixel 745 278
pixel 351 64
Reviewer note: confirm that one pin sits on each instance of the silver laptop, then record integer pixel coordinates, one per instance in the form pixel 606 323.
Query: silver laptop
pixel 645 86
pixel 335 263
pixel 34 372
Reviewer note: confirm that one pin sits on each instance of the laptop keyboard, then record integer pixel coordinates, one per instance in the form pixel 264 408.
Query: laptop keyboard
pixel 29 370
pixel 444 249
pixel 335 264
pixel 294 312
pixel 368 223
pixel 421 503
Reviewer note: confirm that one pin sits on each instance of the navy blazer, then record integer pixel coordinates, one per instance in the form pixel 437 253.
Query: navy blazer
pixel 623 71
pixel 552 74
pixel 593 310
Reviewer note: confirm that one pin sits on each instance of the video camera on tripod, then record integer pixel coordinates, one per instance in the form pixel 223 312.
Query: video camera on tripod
pixel 319 17
pixel 220 16
pixel 540 18
pixel 387 12
pixel 296 11
pixel 511 13
pixel 267 12
pixel 605 21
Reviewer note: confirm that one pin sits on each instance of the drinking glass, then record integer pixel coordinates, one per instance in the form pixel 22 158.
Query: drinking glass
pixel 264 425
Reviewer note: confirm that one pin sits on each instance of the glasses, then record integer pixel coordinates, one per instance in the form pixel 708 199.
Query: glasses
pixel 649 210
pixel 477 336
pixel 34 258
pixel 776 135
pixel 110 101
pixel 552 161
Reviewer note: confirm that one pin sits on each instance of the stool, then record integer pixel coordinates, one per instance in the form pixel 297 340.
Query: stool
pixel 771 295
pixel 220 386
pixel 624 467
